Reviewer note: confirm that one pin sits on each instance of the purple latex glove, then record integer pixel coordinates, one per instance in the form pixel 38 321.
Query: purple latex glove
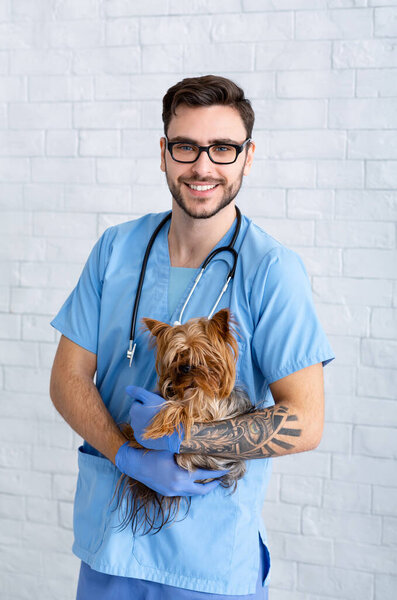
pixel 146 405
pixel 159 471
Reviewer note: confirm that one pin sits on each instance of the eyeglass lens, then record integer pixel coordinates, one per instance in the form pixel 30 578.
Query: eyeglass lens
pixel 220 153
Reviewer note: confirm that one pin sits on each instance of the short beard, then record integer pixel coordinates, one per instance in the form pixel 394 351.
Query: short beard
pixel 229 195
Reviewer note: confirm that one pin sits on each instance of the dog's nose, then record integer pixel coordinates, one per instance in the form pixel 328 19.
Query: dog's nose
pixel 184 369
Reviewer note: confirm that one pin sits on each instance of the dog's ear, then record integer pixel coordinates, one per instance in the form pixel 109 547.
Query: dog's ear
pixel 156 328
pixel 220 321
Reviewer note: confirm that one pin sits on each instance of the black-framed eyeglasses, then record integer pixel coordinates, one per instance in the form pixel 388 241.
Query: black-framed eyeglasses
pixel 220 154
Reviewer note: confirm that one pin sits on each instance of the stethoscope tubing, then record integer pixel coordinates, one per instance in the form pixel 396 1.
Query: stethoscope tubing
pixel 229 248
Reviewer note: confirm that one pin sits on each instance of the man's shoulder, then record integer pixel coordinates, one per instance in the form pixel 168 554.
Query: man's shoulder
pixel 145 223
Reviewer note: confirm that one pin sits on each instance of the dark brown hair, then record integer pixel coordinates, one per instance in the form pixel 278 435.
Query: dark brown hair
pixel 206 91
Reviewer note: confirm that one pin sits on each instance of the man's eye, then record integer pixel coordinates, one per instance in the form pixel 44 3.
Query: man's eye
pixel 223 148
pixel 185 148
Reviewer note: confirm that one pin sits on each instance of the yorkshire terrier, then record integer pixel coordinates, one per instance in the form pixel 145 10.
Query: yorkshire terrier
pixel 196 368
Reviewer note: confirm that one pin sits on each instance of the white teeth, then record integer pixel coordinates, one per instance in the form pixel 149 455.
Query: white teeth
pixel 202 188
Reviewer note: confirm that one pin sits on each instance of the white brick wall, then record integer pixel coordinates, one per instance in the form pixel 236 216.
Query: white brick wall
pixel 81 83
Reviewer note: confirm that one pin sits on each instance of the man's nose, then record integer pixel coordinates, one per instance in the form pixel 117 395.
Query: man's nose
pixel 203 164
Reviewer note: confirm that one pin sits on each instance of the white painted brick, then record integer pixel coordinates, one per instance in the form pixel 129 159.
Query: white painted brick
pixel 252 27
pixel 313 464
pixel 256 85
pixel 16 223
pixel 31 406
pixel 14 170
pixel 333 24
pixel 340 582
pixel 363 113
pixel 151 116
pixel 283 173
pixel 19 35
pixel 344 320
pixel 42 511
pixel 113 87
pixel 75 34
pixel 107 60
pixel 186 29
pixel 336 438
pixel 60 249
pixel 38 61
pixel 117 170
pixel 210 58
pixel 367 54
pixel 370 263
pixel 18 481
pixel 281 517
pixel 362 234
pixel 43 196
pixel 154 198
pixel 363 469
pixel 77 9
pixel 122 32
pixel 4 298
pixel 13 89
pixel 333 524
pixel 37 301
pixel 105 115
pixel 372 144
pixel 60 88
pixel 35 328
pixel 95 199
pixel 385 23
pixel 23 10
pixel 385 587
pixel 301 490
pixel 306 144
pixel 340 378
pixel 289 232
pixel 64 487
pixel 379 353
pixel 293 55
pixel 55 275
pixel 108 220
pixel 346 348
pixel 66 515
pixel 47 352
pixel 4 61
pixel 40 115
pixel 346 3
pixel 64 224
pixel 290 114
pixel 384 322
pixel 321 261
pixel 162 58
pixel 364 557
pixel 385 500
pixel 11 507
pixel 376 382
pixel 345 496
pixel 338 174
pixel 17 352
pixel 11 196
pixel 308 549
pixel 61 143
pixel 99 143
pixel 58 460
pixel 70 169
pixel 382 174
pixel 58 435
pixel 284 575
pixel 315 84
pixel 126 8
pixel 376 82
pixel 9 273
pixel 375 441
pixel 15 455
pixel 10 326
pixel 41 535
pixel 375 412
pixel 366 204
pixel 140 144
pixel 352 291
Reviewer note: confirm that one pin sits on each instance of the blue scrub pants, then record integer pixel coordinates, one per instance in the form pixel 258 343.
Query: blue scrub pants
pixel 100 586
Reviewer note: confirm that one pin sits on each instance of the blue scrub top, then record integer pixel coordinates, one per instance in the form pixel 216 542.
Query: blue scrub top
pixel 215 548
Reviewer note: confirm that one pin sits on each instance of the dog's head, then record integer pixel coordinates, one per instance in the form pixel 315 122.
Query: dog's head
pixel 198 356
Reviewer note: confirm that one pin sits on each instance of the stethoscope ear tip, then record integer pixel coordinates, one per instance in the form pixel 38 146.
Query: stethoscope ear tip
pixel 176 323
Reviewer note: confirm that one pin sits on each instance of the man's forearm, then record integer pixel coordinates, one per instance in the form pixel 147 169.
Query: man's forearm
pixel 77 399
pixel 269 432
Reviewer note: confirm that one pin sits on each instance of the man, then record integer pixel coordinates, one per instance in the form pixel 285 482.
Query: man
pixel 219 549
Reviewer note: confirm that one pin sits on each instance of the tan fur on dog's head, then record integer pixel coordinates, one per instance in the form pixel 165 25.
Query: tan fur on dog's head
pixel 196 366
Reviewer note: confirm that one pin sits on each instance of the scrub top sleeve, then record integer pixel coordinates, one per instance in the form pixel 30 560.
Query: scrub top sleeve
pixel 288 335
pixel 78 318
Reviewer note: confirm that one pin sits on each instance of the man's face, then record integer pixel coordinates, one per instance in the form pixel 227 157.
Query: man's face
pixel 205 125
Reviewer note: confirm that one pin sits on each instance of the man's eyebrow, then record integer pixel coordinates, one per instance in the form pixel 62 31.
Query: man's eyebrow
pixel 181 138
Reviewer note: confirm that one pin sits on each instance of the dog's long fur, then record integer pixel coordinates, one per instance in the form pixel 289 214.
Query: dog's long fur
pixel 196 367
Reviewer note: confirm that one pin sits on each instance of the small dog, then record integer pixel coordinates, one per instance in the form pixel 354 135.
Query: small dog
pixel 196 368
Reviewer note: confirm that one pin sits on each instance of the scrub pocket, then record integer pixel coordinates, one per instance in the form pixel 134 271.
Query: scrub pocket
pixel 94 492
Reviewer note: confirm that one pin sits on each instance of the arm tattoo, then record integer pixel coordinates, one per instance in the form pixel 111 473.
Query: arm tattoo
pixel 258 434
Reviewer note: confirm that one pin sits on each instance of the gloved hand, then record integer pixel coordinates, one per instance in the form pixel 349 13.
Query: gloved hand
pixel 146 405
pixel 159 471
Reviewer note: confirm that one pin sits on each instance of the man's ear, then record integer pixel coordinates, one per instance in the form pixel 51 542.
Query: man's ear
pixel 163 151
pixel 156 328
pixel 250 158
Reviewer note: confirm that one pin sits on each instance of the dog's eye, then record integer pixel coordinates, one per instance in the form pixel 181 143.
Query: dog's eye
pixel 184 368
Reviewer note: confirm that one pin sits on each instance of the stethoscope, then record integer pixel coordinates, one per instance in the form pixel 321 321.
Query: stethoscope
pixel 229 248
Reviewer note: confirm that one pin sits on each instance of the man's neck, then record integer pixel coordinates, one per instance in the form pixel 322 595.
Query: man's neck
pixel 191 240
